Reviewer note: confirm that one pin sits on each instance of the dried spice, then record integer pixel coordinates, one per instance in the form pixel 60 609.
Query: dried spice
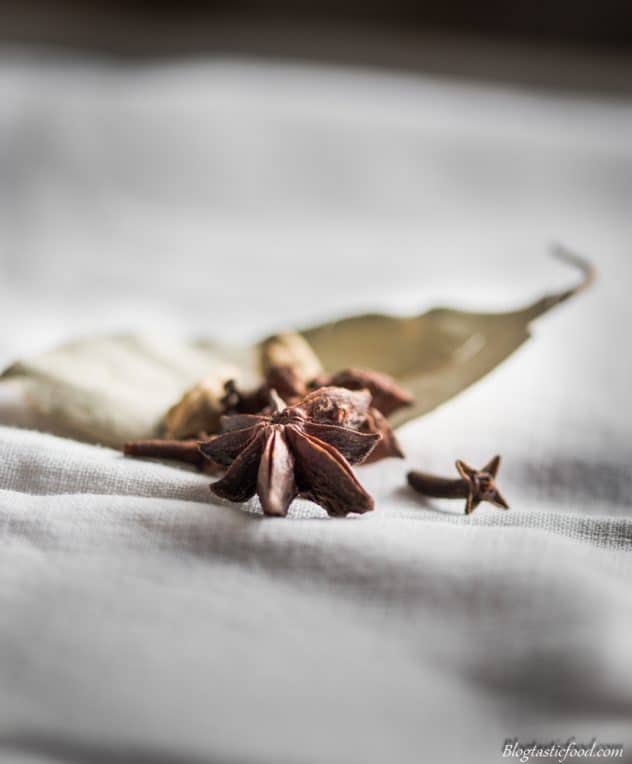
pixel 301 450
pixel 89 389
pixel 474 485
pixel 337 407
pixel 388 446
pixel 386 397
pixel 186 451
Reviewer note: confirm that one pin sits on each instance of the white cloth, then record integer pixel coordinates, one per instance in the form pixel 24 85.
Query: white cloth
pixel 142 620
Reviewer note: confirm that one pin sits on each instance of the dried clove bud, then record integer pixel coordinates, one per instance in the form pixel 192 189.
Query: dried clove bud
pixel 302 450
pixel 186 451
pixel 474 485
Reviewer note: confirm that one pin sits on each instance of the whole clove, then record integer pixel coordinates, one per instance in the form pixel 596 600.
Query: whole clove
pixel 186 451
pixel 474 485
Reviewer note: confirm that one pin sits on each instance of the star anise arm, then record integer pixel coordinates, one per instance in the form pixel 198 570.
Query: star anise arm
pixel 240 481
pixel 240 421
pixel 492 466
pixel 276 486
pixel 353 445
pixel 388 445
pixel 465 470
pixel 335 405
pixel 387 394
pixel 225 448
pixel 324 476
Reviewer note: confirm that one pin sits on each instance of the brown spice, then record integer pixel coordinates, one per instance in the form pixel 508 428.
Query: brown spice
pixel 301 450
pixel 386 394
pixel 388 446
pixel 386 397
pixel 474 485
pixel 186 451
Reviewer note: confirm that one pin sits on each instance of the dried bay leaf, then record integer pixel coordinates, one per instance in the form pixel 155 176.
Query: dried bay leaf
pixel 112 389
pixel 439 353
pixel 117 388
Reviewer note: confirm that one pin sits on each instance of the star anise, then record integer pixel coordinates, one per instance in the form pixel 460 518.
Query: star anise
pixel 305 449
pixel 386 397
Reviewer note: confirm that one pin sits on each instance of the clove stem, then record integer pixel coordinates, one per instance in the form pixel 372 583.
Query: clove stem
pixel 178 450
pixel 438 487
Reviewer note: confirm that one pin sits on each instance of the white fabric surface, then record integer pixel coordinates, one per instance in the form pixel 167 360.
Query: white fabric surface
pixel 143 621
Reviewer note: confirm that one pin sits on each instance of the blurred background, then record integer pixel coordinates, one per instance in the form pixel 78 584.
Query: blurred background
pixel 158 156
pixel 159 160
pixel 576 43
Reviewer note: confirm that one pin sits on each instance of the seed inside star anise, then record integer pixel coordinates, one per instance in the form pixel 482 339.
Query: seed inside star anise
pixel 305 449
pixel 386 394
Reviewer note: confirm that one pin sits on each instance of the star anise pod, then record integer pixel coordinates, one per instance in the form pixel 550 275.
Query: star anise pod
pixel 386 397
pixel 388 445
pixel 301 450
